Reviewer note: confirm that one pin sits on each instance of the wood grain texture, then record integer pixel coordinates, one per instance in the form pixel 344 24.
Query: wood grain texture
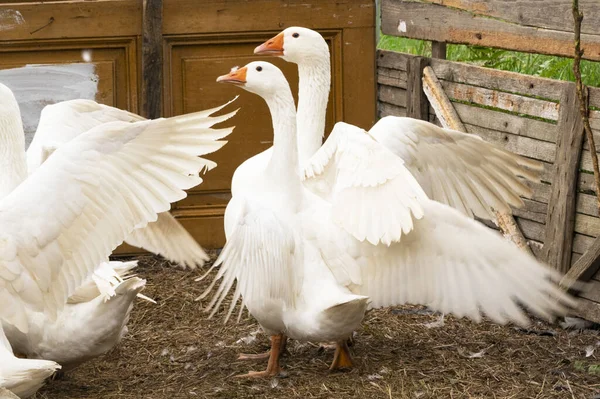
pixel 560 221
pixel 152 58
pixel 438 50
pixel 227 16
pixel 393 59
pixel 497 79
pixel 588 310
pixel 556 14
pixel 435 22
pixel 417 105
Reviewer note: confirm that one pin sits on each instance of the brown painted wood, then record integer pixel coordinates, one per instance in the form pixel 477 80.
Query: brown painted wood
pixel 438 50
pixel 417 105
pixel 152 58
pixel 73 19
pixel 437 23
pixel 560 221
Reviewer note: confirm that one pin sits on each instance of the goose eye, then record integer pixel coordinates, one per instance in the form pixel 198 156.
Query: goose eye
pixel 259 68
pixel 296 35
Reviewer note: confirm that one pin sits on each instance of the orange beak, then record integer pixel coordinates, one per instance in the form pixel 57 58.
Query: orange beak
pixel 237 77
pixel 273 46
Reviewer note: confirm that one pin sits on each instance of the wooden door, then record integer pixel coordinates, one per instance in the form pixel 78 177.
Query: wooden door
pixel 177 48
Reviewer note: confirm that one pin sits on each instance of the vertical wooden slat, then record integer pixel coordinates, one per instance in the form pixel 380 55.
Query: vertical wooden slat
pixel 438 50
pixel 560 219
pixel 417 105
pixel 152 58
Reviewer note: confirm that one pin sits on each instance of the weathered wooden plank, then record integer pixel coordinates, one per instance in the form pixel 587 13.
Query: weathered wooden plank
pixel 152 58
pixel 532 210
pixel 588 310
pixel 588 225
pixel 434 22
pixel 393 59
pixel 594 96
pixel 225 16
pixel 496 79
pixel 391 77
pixel 502 100
pixel 560 221
pixel 582 243
pixel 592 292
pixel 556 14
pixel 540 150
pixel 90 19
pixel 417 105
pixel 505 122
pixel 585 268
pixel 385 109
pixel 531 230
pixel 587 204
pixel 393 95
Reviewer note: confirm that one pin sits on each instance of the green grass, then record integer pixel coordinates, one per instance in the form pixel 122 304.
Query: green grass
pixel 531 64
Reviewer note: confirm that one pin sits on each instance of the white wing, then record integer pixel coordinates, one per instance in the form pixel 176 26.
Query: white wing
pixel 456 168
pixel 66 218
pixel 168 238
pixel 373 195
pixel 105 278
pixel 63 121
pixel 454 264
pixel 260 256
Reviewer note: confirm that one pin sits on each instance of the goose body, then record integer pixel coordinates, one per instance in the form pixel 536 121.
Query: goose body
pixel 90 324
pixel 308 270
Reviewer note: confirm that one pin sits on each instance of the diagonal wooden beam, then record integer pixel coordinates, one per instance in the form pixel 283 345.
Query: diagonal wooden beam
pixel 449 118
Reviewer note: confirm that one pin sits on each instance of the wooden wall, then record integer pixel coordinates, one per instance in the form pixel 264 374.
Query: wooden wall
pixel 519 113
pixel 163 56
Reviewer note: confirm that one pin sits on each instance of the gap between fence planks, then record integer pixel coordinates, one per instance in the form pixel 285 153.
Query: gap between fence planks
pixel 449 119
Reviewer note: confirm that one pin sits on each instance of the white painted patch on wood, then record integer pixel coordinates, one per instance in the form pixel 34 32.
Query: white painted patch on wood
pixel 402 27
pixel 36 86
pixel 10 19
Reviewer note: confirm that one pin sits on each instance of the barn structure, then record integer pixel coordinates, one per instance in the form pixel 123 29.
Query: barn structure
pixel 161 58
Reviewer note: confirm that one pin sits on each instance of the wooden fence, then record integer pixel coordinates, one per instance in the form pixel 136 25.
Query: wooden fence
pixel 531 116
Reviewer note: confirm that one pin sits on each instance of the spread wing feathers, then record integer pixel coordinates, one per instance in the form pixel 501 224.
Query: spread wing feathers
pixel 454 264
pixel 168 238
pixel 459 169
pixel 103 281
pixel 260 257
pixel 63 121
pixel 374 197
pixel 67 217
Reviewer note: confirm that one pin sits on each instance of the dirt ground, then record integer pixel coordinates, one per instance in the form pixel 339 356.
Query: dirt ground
pixel 172 351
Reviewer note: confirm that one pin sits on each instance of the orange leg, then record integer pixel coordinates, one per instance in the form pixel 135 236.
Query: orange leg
pixel 264 355
pixel 341 359
pixel 273 368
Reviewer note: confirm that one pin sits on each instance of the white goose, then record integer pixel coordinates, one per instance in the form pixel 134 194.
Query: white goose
pixel 62 122
pixel 303 274
pixel 454 168
pixel 93 321
pixel 112 179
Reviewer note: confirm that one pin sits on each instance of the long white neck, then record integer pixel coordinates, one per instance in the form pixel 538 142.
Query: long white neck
pixel 315 81
pixel 13 162
pixel 283 167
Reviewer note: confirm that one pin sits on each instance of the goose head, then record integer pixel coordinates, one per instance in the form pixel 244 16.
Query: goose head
pixel 258 77
pixel 296 44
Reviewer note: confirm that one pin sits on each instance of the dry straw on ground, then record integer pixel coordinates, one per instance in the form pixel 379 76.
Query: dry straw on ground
pixel 172 351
